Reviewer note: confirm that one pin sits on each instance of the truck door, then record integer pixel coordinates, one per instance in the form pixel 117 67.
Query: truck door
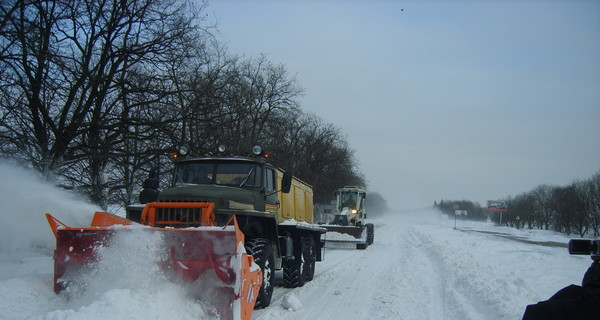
pixel 271 201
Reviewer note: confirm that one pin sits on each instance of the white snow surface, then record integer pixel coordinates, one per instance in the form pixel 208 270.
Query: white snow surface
pixel 419 267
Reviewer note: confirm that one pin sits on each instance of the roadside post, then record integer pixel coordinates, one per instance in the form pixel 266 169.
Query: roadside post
pixel 458 212
pixel 455 214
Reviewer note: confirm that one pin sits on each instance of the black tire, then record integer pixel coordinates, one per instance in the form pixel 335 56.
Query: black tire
pixel 262 251
pixel 302 268
pixel 361 246
pixel 310 258
pixel 370 233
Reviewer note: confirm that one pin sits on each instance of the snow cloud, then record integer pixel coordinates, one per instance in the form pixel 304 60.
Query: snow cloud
pixel 25 199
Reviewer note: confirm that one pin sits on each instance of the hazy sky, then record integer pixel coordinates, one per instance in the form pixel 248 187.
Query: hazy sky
pixel 452 100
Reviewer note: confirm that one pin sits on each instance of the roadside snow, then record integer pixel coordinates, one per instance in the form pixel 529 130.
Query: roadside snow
pixel 419 267
pixel 291 303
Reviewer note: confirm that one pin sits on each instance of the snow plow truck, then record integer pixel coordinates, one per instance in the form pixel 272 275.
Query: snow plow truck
pixel 349 221
pixel 226 222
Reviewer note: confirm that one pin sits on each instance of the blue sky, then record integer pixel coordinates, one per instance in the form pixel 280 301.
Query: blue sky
pixel 452 100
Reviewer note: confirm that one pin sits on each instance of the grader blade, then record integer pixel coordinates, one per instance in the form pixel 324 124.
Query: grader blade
pixel 356 232
pixel 210 260
pixel 347 235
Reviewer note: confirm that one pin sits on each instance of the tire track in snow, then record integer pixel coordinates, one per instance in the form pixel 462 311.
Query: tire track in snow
pixel 337 287
pixel 395 278
pixel 473 290
pixel 372 283
pixel 456 296
pixel 334 260
pixel 413 287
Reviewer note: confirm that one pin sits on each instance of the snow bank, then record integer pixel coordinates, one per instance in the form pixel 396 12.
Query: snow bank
pixel 495 270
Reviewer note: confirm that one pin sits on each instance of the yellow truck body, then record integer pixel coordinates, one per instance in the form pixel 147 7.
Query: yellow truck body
pixel 298 203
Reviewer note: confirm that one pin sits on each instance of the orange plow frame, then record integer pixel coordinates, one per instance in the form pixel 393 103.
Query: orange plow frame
pixel 149 213
pixel 191 252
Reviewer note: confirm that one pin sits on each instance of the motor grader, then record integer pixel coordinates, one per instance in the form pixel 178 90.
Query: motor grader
pixel 233 219
pixel 350 218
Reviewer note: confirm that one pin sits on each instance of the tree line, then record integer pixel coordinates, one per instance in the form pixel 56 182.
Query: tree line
pixel 474 209
pixel 570 209
pixel 95 94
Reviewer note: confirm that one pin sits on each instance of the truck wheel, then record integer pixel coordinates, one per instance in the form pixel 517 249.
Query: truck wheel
pixel 310 257
pixel 370 233
pixel 262 251
pixel 302 268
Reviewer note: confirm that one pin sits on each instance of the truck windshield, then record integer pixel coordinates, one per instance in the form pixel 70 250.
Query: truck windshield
pixel 221 173
pixel 348 199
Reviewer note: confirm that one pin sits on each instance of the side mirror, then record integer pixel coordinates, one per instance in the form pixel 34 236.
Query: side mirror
pixel 148 195
pixel 150 185
pixel 286 182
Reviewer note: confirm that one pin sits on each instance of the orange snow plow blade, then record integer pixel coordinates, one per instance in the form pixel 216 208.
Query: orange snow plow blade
pixel 207 258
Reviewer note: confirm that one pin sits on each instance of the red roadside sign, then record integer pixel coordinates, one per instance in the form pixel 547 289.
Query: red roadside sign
pixel 494 205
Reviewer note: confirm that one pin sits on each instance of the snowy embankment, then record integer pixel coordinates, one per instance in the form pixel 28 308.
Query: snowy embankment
pixel 419 267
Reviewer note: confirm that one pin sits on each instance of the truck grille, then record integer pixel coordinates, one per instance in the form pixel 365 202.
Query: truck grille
pixel 183 217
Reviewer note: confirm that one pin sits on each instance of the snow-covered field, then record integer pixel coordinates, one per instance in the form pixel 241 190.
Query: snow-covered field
pixel 420 267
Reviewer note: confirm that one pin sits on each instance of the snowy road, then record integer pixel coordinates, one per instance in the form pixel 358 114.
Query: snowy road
pixel 426 269
pixel 390 280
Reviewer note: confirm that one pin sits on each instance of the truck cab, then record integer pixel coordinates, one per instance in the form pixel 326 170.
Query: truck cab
pixel 242 186
pixel 232 183
pixel 350 206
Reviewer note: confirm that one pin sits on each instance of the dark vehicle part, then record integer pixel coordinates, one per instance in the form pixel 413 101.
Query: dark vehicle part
pixel 573 302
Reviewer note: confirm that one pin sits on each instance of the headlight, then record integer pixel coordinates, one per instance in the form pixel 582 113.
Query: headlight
pixel 183 150
pixel 221 148
pixel 256 150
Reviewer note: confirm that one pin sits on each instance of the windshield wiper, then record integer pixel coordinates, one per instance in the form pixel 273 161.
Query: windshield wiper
pixel 247 177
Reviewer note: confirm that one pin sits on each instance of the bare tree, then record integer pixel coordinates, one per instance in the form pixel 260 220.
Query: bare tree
pixel 97 93
pixel 317 152
pixel 580 209
pixel 66 81
pixel 259 93
pixel 571 210
pixel 591 194
pixel 523 206
pixel 543 204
